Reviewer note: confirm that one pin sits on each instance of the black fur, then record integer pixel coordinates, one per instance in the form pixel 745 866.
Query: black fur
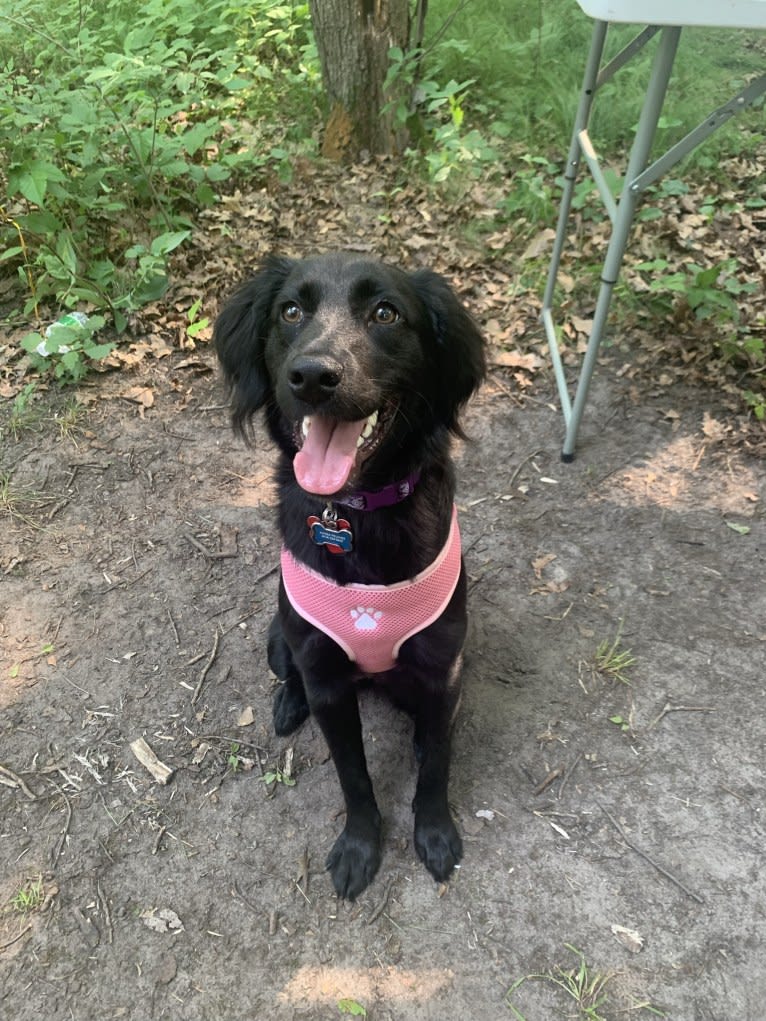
pixel 343 335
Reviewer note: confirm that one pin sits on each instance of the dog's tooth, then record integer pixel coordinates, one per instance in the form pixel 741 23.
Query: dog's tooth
pixel 370 424
pixel 305 424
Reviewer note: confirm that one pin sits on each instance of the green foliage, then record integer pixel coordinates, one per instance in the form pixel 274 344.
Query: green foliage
pixel 119 121
pixel 68 347
pixel 710 292
pixel 24 415
pixel 612 660
pixel 586 989
pixel 232 760
pixel 434 114
pixel 196 325
pixel 527 61
pixel 713 294
pixel 533 194
pixel 29 897
pixel 277 775
pixel 351 1007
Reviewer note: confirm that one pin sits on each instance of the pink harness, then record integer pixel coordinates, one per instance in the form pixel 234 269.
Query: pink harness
pixel 372 622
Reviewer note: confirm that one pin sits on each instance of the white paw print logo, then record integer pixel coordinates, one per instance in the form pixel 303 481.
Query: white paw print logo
pixel 366 618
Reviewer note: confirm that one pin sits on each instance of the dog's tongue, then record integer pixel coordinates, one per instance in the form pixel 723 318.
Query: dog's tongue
pixel 324 462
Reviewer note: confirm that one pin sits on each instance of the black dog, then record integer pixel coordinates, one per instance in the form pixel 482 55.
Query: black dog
pixel 361 370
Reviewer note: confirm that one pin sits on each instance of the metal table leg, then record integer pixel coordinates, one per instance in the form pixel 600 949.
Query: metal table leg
pixel 647 126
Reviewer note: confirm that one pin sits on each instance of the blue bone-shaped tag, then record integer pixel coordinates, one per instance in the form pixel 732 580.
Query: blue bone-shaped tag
pixel 337 540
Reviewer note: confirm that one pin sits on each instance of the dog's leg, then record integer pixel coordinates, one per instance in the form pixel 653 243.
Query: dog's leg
pixel 290 707
pixel 355 856
pixel 437 840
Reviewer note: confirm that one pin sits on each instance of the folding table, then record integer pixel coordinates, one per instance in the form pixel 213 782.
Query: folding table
pixel 666 18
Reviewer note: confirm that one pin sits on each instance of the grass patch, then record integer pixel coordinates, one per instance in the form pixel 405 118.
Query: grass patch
pixel 29 898
pixel 526 64
pixel 612 660
pixel 584 988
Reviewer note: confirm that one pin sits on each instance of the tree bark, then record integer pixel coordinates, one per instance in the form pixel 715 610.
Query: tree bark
pixel 353 39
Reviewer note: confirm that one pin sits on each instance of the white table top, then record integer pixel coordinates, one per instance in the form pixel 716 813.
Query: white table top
pixel 718 13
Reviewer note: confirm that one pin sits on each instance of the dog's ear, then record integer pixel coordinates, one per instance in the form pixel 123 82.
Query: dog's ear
pixel 240 335
pixel 461 365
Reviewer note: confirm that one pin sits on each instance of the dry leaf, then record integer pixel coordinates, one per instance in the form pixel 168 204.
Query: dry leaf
pixel 712 428
pixel 200 753
pixel 163 920
pixel 541 563
pixel 517 360
pixel 582 325
pixel 246 717
pixel 142 395
pixel 539 244
pixel 629 938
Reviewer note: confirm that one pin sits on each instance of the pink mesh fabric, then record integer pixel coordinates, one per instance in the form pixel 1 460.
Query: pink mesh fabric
pixel 372 622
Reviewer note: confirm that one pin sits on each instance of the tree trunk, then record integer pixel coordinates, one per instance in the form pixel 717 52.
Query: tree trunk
pixel 353 39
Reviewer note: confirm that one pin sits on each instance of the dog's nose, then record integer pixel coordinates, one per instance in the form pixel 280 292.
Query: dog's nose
pixel 314 379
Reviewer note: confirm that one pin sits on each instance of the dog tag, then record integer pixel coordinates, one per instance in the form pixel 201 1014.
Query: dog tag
pixel 330 531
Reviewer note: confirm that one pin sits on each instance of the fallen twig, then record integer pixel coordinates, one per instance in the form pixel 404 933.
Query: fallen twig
pixel 158 841
pixel 65 832
pixel 382 904
pixel 568 774
pixel 107 914
pixel 16 781
pixel 175 629
pixel 670 708
pixel 549 779
pixel 4 946
pixel 303 875
pixel 149 760
pixel 206 552
pixel 206 667
pixel 521 465
pixel 660 868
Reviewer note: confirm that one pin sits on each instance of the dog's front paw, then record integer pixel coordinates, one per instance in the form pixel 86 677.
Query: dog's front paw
pixel 355 858
pixel 438 844
pixel 289 708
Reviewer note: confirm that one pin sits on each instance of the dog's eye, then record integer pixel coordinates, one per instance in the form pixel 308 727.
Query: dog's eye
pixel 292 313
pixel 385 314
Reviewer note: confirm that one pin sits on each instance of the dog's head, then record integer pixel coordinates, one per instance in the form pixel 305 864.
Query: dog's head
pixel 358 365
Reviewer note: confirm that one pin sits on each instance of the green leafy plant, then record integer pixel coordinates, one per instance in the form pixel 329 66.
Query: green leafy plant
pixel 351 1007
pixel 118 122
pixel 757 402
pixel 233 758
pixel 620 722
pixel 277 775
pixel 710 292
pixel 196 325
pixel 434 114
pixel 532 194
pixel 68 348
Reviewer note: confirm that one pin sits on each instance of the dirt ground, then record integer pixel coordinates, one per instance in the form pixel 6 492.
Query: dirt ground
pixel 137 577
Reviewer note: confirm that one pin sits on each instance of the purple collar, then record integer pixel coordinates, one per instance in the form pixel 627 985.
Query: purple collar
pixel 370 500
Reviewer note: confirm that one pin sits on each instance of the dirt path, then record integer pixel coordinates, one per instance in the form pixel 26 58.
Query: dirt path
pixel 136 585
